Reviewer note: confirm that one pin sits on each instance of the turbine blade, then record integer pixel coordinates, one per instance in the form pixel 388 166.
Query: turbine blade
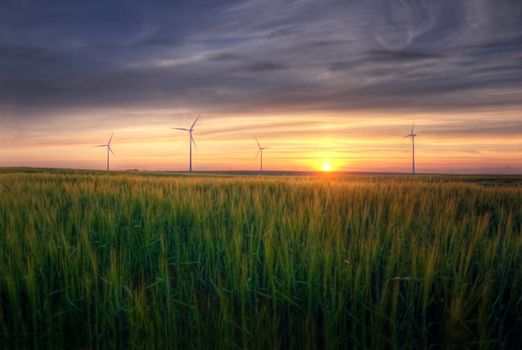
pixel 110 139
pixel 412 127
pixel 258 144
pixel 407 136
pixel 195 121
pixel 258 151
pixel 193 141
pixel 110 149
pixel 100 146
pixel 184 129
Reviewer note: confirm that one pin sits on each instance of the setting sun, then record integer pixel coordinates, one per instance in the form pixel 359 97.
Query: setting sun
pixel 326 167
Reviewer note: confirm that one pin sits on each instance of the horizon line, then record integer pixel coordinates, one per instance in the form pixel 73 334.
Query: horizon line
pixel 265 172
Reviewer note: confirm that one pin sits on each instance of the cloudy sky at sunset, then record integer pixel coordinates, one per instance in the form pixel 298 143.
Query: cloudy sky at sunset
pixel 319 82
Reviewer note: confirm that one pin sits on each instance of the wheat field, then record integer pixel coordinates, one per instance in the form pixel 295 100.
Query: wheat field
pixel 131 260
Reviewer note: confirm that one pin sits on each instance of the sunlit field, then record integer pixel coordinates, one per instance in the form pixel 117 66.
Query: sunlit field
pixel 130 260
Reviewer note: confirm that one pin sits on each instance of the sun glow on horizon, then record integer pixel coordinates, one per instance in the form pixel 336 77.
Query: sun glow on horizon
pixel 297 143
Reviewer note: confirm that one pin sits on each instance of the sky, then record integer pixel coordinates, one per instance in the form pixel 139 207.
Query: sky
pixel 329 82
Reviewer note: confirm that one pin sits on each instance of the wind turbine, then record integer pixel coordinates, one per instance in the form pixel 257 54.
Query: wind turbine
pixel 260 151
pixel 412 134
pixel 109 149
pixel 191 139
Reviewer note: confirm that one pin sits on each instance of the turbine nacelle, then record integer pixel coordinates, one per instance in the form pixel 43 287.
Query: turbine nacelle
pixel 412 132
pixel 108 145
pixel 259 145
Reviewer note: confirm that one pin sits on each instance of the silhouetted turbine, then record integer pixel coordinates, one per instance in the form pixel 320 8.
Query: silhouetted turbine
pixel 260 151
pixel 412 134
pixel 109 149
pixel 191 140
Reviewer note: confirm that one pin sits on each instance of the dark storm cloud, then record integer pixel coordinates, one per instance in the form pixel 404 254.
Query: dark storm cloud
pixel 258 54
pixel 260 67
pixel 224 57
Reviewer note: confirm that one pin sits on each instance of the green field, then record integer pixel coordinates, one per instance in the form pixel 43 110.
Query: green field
pixel 131 260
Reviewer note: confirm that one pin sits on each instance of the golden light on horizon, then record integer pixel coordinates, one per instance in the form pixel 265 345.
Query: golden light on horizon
pixel 297 143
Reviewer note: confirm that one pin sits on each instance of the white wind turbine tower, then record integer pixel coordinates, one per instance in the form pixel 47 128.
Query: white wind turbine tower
pixel 109 149
pixel 412 134
pixel 191 140
pixel 260 151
